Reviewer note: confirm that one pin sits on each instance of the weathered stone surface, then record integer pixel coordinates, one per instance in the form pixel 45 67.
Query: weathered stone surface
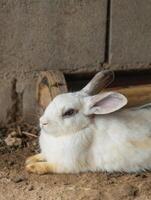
pixel 47 34
pixel 7 101
pixel 130 34
pixel 69 35
pixel 40 35
pixel 30 90
pixel 28 107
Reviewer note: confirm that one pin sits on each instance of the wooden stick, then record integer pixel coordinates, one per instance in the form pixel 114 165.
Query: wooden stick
pixel 29 134
pixel 19 130
pixel 137 95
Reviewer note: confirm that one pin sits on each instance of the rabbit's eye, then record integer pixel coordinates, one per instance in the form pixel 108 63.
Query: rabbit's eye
pixel 70 112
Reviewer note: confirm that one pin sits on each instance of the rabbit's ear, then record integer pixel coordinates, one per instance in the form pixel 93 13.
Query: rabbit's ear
pixel 98 82
pixel 104 103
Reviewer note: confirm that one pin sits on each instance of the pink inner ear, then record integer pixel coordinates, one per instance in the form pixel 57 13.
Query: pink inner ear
pixel 107 104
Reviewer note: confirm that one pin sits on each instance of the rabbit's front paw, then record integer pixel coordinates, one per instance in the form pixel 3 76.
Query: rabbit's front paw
pixel 36 158
pixel 33 168
pixel 41 168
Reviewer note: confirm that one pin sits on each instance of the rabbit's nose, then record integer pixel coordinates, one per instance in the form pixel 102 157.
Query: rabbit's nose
pixel 43 121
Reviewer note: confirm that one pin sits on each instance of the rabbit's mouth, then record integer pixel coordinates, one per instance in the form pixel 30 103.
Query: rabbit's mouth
pixel 86 126
pixel 43 129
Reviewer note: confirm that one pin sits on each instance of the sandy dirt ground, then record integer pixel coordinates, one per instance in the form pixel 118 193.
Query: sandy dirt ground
pixel 17 184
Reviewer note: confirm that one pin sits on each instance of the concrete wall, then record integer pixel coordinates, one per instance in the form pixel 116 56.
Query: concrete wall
pixel 70 35
pixel 50 34
pixel 130 33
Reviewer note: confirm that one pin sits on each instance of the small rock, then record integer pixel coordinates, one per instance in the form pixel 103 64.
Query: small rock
pixel 131 190
pixel 110 181
pixel 13 133
pixel 30 188
pixel 141 175
pixel 34 143
pixel 66 183
pixel 13 141
pixel 11 163
pixel 18 179
pixel 137 174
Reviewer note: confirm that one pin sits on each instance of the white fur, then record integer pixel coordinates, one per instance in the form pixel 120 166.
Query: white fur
pixel 119 141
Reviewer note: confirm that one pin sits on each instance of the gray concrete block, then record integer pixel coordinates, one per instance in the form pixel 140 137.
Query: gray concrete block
pixel 130 33
pixel 7 101
pixel 28 107
pixel 38 35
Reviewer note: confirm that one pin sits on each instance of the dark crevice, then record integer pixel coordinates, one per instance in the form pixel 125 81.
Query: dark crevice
pixel 107 36
pixel 45 81
pixel 122 78
pixel 12 114
pixel 16 110
pixel 57 84
pixel 19 106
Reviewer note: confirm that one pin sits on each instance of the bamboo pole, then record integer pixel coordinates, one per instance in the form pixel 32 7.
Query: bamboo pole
pixel 52 83
pixel 137 95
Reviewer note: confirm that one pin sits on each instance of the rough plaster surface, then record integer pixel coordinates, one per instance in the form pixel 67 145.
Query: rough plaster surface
pixel 26 87
pixel 7 101
pixel 69 35
pixel 130 33
pixel 49 34
pixel 41 35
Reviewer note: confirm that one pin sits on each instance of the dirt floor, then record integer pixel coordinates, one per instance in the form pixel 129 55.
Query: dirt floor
pixel 17 184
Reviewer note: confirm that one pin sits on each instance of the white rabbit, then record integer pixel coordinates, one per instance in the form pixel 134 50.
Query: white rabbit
pixel 80 132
